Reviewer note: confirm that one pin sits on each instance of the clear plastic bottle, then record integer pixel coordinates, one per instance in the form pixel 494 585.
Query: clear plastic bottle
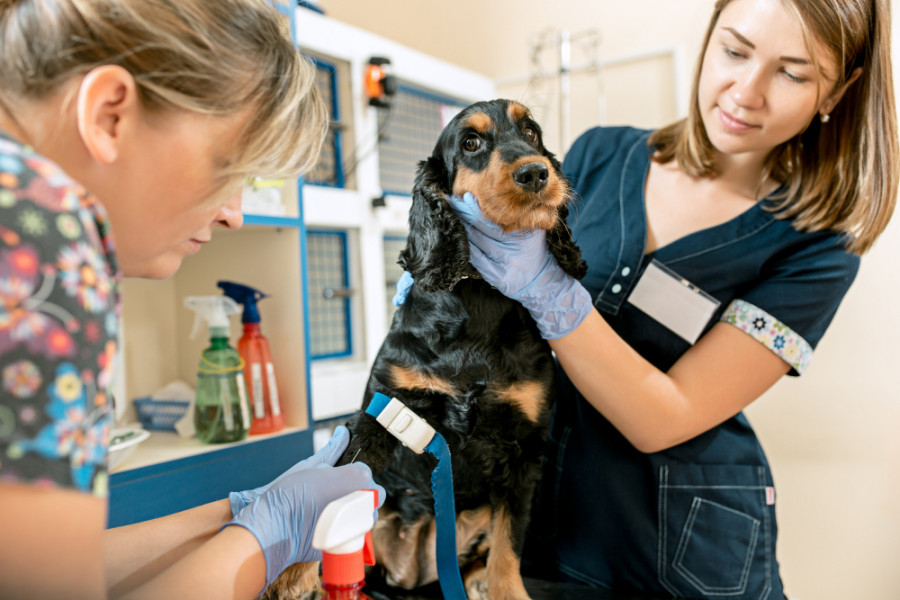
pixel 221 411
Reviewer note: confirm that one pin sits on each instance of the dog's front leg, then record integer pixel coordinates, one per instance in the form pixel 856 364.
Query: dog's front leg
pixel 370 443
pixel 511 512
pixel 504 579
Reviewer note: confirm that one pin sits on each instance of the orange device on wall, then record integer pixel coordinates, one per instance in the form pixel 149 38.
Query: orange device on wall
pixel 380 84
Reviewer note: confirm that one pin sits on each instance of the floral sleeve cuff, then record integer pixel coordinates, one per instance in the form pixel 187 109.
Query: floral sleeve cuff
pixel 770 332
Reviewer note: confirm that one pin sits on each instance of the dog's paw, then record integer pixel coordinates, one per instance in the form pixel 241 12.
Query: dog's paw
pixel 508 592
pixel 299 581
pixel 480 587
pixel 476 584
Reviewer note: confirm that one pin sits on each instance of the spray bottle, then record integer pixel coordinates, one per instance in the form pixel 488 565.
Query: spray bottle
pixel 344 537
pixel 221 412
pixel 258 369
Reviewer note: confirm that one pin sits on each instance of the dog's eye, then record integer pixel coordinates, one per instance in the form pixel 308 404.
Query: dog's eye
pixel 472 143
pixel 530 134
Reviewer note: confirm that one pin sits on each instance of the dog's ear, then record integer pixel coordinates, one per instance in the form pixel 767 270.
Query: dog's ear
pixel 559 239
pixel 563 247
pixel 437 249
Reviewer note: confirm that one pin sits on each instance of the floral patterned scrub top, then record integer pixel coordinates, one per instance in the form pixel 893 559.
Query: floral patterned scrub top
pixel 59 321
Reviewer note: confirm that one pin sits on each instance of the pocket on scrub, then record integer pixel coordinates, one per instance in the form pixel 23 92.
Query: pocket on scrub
pixel 715 531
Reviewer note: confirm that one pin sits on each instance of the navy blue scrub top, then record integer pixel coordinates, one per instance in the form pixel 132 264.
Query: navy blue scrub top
pixel 696 520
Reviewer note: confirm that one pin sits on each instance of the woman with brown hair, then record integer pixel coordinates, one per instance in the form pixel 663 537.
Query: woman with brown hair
pixel 718 251
pixel 126 130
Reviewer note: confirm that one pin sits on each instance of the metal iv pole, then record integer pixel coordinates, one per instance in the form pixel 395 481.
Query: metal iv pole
pixel 565 87
pixel 561 44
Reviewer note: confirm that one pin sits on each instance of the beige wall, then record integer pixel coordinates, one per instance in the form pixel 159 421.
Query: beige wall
pixel 832 435
pixel 495 37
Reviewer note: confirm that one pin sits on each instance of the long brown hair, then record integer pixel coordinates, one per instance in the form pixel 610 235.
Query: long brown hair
pixel 841 175
pixel 216 57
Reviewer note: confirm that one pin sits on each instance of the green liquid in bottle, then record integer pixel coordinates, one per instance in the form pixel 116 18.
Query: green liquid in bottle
pixel 221 411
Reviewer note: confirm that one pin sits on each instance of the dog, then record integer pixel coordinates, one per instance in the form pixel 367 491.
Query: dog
pixel 467 359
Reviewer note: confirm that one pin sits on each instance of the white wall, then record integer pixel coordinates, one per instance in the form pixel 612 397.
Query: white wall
pixel 495 37
pixel 832 435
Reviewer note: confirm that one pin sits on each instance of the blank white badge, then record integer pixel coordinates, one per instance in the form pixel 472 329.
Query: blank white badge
pixel 673 301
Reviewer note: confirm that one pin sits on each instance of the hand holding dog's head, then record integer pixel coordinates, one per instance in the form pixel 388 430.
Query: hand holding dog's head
pixel 493 150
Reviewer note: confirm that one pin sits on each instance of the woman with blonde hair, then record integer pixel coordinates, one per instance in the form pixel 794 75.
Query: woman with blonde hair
pixel 718 251
pixel 126 129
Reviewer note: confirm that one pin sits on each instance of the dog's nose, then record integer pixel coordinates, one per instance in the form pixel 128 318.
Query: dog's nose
pixel 533 176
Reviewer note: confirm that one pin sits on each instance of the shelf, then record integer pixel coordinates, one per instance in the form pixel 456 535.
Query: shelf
pixel 270 221
pixel 165 446
pixel 157 345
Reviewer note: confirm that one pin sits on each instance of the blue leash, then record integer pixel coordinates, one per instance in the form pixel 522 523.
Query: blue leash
pixel 419 436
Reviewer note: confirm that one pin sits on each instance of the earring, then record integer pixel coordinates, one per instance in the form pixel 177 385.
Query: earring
pixel 825 117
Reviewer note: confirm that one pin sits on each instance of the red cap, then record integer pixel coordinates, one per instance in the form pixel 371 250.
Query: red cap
pixel 343 569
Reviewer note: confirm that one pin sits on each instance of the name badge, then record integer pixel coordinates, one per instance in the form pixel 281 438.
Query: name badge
pixel 673 301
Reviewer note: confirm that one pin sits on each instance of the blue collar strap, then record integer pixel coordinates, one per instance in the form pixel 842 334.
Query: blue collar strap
pixel 417 435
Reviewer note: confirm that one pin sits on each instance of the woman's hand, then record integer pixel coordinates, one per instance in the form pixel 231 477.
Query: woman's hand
pixel 283 516
pixel 328 455
pixel 520 266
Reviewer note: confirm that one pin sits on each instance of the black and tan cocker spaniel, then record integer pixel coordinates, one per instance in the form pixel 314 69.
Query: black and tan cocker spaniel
pixel 467 359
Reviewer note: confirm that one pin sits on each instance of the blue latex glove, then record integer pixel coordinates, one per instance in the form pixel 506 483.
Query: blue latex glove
pixel 520 266
pixel 284 516
pixel 403 286
pixel 327 455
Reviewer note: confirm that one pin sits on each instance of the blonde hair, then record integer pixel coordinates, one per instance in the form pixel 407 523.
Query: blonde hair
pixel 215 57
pixel 842 175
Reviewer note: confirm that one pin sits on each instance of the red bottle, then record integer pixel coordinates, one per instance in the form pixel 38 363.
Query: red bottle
pixel 344 537
pixel 259 371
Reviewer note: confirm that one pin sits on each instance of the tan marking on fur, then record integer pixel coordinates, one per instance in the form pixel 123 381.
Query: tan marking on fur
pixel 407 378
pixel 295 581
pixel 468 180
pixel 505 202
pixel 405 551
pixel 408 552
pixel 470 524
pixel 503 576
pixel 479 121
pixel 517 111
pixel 528 396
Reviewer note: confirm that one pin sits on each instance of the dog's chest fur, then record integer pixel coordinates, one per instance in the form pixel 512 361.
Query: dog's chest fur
pixel 472 363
